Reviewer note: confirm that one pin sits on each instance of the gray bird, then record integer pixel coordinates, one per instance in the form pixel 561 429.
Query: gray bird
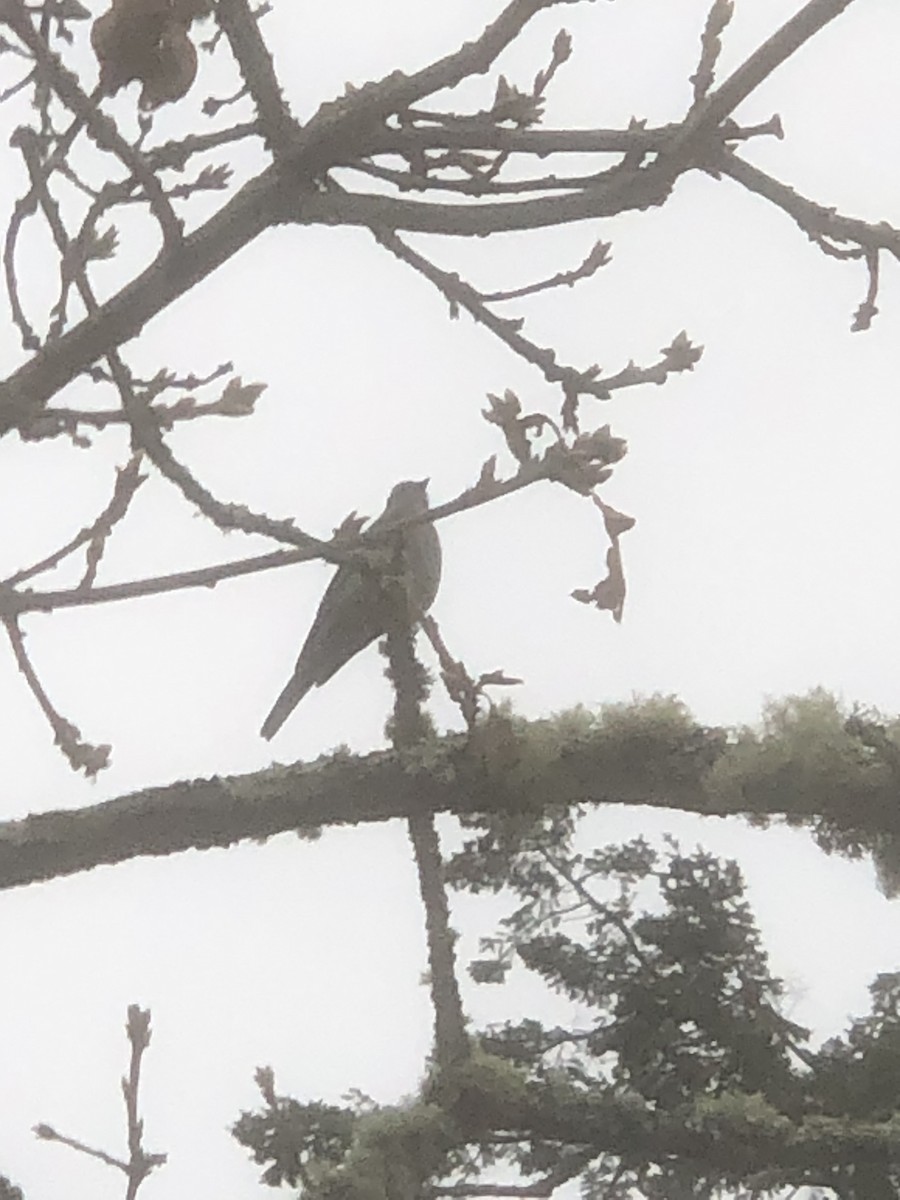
pixel 354 610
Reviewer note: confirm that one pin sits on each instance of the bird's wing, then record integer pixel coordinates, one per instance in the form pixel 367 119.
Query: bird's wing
pixel 350 617
pixel 355 608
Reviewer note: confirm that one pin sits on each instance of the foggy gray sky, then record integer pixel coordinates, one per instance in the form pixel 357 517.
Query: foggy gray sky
pixel 764 561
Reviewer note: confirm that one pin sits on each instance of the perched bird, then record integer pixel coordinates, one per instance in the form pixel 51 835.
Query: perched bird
pixel 148 41
pixel 355 608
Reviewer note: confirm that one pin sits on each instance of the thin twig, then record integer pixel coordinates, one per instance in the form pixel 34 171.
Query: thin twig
pixel 128 480
pixel 82 756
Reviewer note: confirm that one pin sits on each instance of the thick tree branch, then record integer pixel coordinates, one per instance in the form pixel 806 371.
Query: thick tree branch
pixel 636 189
pixel 484 136
pixel 409 733
pixel 634 760
pixel 451 1043
pixel 737 1143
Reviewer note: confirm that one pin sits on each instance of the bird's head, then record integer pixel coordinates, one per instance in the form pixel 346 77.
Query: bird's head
pixel 407 498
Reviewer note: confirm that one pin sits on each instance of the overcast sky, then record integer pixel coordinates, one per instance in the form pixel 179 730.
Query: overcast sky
pixel 764 561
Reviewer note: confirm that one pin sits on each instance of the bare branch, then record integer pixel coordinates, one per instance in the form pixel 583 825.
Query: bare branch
pixel 100 127
pixel 721 103
pixel 711 47
pixel 823 226
pixel 14 604
pixel 139 1164
pixel 597 257
pixel 128 480
pixel 241 27
pixel 82 756
pixel 574 382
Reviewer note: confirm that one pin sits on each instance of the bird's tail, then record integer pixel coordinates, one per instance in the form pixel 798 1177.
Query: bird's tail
pixel 294 691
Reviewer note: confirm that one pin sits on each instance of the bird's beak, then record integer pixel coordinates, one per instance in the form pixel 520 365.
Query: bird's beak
pixel 424 482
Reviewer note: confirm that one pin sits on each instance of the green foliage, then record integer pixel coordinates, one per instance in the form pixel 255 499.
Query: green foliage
pixel 485 1084
pixel 652 739
pixel 657 717
pixel 392 1152
pixel 803 749
pixel 879 741
pixel 735 1111
pixel 681 999
pixel 291 1137
pixel 342 1154
pixel 682 1076
pixel 859 1075
pixel 679 1013
pixel 837 771
pixel 515 752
